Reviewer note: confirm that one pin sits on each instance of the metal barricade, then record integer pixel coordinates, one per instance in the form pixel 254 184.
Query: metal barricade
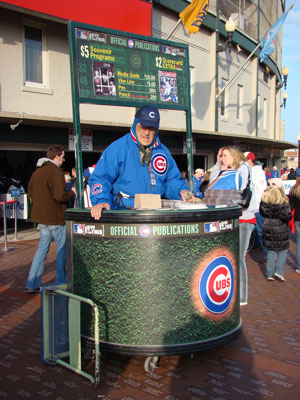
pixel 61 331
pixel 4 204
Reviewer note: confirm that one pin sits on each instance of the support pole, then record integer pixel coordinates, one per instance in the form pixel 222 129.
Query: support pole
pixel 4 226
pixel 237 72
pixel 16 220
pixel 174 29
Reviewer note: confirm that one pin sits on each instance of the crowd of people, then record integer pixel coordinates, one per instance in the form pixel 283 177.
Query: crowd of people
pixel 139 163
pixel 270 210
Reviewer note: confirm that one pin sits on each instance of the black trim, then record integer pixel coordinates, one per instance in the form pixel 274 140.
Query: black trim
pixel 155 216
pixel 172 350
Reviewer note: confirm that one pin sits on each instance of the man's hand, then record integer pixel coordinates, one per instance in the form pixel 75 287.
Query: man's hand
pixel 187 196
pixel 97 210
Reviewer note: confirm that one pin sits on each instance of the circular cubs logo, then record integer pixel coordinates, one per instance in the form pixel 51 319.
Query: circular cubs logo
pixel 97 188
pixel 214 285
pixel 145 231
pixel 159 164
pixel 130 43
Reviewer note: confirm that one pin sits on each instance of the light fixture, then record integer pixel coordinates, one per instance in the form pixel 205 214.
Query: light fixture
pixel 284 72
pixel 14 126
pixel 238 47
pixel 230 28
pixel 284 96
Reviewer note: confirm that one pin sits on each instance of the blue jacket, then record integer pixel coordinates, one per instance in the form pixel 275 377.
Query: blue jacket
pixel 119 170
pixel 275 174
pixel 227 179
pixel 197 184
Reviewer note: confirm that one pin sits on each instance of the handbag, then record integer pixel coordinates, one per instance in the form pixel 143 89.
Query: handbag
pixel 246 195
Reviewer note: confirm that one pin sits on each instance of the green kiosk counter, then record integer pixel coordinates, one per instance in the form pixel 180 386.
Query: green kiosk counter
pixel 165 281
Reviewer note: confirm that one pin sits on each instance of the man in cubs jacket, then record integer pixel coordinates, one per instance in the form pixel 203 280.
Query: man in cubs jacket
pixel 135 163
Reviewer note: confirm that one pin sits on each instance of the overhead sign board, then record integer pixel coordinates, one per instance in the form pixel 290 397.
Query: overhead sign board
pixel 116 68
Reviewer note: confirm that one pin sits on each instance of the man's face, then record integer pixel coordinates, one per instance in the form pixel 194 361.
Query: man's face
pixel 61 158
pixel 145 135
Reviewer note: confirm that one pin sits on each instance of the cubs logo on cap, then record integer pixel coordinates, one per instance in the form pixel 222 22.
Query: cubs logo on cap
pixel 97 188
pixel 148 116
pixel 214 285
pixel 159 163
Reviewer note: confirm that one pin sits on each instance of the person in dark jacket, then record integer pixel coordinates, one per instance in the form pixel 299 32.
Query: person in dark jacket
pixel 294 197
pixel 275 208
pixel 49 201
pixel 292 175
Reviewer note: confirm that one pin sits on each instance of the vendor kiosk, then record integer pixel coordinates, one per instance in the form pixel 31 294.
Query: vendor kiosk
pixel 151 282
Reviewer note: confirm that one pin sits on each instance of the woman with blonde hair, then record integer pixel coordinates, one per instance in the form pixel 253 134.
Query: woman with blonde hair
pixel 226 173
pixel 232 171
pixel 294 197
pixel 275 208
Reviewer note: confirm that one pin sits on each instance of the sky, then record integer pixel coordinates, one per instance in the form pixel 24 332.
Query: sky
pixel 291 59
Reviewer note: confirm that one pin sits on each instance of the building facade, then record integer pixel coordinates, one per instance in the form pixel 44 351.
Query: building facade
pixel 36 101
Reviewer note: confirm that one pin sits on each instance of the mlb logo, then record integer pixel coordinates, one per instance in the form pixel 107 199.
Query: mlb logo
pixel 82 34
pixel 78 229
pixel 211 227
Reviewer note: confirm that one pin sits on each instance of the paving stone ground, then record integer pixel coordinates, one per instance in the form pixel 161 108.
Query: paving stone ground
pixel 264 363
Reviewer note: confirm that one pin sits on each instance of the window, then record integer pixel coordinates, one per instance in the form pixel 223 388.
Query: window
pixel 265 77
pixel 223 99
pixel 239 103
pixel 33 55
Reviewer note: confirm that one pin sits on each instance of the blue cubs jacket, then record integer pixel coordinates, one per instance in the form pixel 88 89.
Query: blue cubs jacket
pixel 119 173
pixel 197 184
pixel 227 179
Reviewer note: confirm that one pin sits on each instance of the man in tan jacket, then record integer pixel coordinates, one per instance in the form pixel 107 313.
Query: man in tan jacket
pixel 49 201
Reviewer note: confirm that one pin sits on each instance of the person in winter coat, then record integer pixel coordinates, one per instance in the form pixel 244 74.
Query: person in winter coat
pixel 292 175
pixel 198 178
pixel 136 163
pixel 294 198
pixel 267 173
pixel 275 172
pixel 275 208
pixel 49 201
pixel 260 185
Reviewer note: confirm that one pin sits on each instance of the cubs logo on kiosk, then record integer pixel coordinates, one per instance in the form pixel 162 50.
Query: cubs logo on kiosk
pixel 214 285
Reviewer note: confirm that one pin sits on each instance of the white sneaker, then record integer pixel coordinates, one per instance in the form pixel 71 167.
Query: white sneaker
pixel 298 271
pixel 279 277
pixel 270 278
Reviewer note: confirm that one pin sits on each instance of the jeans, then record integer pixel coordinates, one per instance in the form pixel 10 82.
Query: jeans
pixel 259 224
pixel 245 233
pixel 37 267
pixel 272 265
pixel 297 226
